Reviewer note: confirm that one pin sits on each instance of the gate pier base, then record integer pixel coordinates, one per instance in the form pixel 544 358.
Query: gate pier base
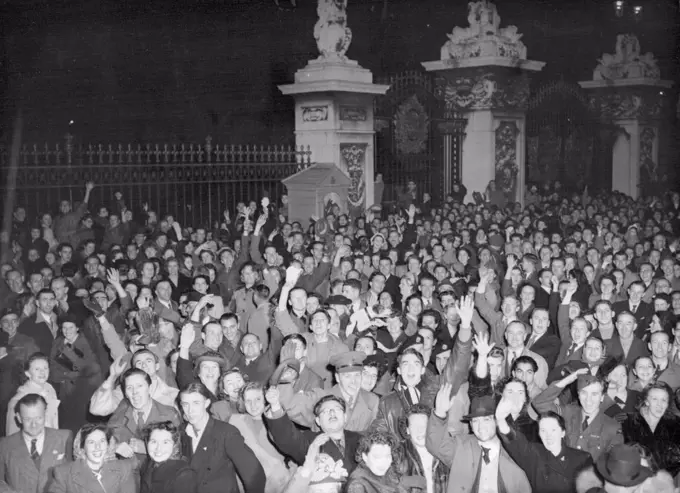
pixel 334 119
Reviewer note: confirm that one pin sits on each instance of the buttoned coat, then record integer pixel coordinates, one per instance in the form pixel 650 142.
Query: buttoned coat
pixel 547 473
pixel 18 472
pixel 118 476
pixel 462 453
pixel 220 454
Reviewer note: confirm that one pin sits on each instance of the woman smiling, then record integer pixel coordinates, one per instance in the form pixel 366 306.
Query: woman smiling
pixel 167 471
pixel 92 472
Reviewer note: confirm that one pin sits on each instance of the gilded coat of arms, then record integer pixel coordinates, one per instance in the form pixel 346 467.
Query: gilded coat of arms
pixel 411 127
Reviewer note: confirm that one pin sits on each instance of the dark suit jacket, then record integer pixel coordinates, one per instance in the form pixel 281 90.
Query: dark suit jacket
pixel 564 357
pixel 38 330
pixel 547 346
pixel 643 315
pixel 171 315
pixel 123 424
pixel 637 349
pixel 294 442
pixel 171 476
pixel 118 476
pixel 220 454
pixel 19 473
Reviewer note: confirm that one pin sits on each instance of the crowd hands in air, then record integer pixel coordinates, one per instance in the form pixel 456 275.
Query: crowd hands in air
pixel 419 348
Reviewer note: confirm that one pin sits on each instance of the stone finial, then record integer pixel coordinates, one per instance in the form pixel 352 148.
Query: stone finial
pixel 484 37
pixel 627 63
pixel 332 35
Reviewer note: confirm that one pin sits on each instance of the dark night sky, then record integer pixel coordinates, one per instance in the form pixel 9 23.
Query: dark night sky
pixel 163 70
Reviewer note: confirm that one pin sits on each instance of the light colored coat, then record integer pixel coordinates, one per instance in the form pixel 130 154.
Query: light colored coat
pixel 462 453
pixel 50 395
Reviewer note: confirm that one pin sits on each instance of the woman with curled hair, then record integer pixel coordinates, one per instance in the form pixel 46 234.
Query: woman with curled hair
pixel 37 374
pixel 94 470
pixel 167 471
pixel 377 457
pixel 655 427
pixel 252 405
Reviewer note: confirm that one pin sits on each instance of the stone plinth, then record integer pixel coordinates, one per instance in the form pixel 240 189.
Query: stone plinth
pixel 636 105
pixel 334 117
pixel 492 93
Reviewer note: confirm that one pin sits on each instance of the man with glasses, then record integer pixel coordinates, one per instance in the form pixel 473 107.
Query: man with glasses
pixel 330 417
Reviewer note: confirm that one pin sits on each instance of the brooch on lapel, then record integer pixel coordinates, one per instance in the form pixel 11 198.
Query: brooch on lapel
pixel 205 449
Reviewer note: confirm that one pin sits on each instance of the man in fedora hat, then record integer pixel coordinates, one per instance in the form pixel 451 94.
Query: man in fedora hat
pixel 621 469
pixel 492 468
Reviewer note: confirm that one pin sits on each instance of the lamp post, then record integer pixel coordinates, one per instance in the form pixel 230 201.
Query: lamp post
pixel 623 7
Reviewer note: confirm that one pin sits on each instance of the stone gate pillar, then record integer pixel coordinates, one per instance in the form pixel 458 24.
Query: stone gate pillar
pixel 627 90
pixel 483 73
pixel 334 106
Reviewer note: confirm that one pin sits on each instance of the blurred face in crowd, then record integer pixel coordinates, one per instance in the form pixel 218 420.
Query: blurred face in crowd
pixel 644 369
pixel 659 343
pixel 625 326
pixel 137 391
pixel 417 429
pixel 331 417
pixel 515 334
pixel 10 324
pixel 378 459
pixel 146 362
pixel 298 300
pixel 365 345
pixel 657 403
pixel 349 381
pixel 593 351
pixel 579 331
pixel 550 432
pixel 525 373
pixel 232 384
pixel 516 395
pixel 484 428
pixel 160 446
pixel 194 407
pixel 46 302
pixel 410 369
pixel 369 378
pixel 253 401
pixel 251 346
pixel 590 397
pixel 603 314
pixel 32 419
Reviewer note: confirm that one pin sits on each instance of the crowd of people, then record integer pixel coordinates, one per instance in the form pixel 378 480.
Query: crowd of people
pixel 423 347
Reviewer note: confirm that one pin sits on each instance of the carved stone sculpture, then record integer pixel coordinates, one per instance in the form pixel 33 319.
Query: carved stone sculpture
pixel 483 37
pixel 332 35
pixel 626 62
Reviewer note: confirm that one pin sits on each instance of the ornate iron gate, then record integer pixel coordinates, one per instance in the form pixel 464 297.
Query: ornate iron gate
pixel 565 140
pixel 415 141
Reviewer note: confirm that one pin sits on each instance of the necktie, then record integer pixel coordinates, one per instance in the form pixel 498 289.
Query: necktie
pixel 485 455
pixel 584 425
pixel 532 341
pixel 35 456
pixel 571 350
pixel 341 446
pixel 633 308
pixel 140 420
pixel 512 359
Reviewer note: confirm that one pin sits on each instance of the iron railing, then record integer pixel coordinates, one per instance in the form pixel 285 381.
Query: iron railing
pixel 194 183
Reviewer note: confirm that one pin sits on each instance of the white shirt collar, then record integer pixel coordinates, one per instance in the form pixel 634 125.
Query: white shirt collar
pixel 39 444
